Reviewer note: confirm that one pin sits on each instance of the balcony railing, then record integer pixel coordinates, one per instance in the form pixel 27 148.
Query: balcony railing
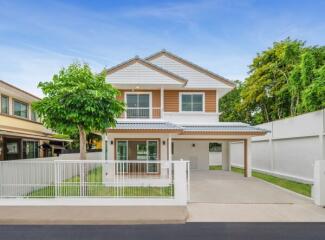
pixel 142 113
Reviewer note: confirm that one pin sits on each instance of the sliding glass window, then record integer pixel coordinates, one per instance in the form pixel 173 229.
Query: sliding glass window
pixel 30 149
pixel 138 105
pixel 192 102
pixel 20 109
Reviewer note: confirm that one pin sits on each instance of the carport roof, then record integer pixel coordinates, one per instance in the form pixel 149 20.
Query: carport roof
pixel 223 127
pixel 186 129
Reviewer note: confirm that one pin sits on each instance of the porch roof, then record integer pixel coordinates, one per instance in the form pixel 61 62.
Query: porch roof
pixel 145 126
pixel 226 128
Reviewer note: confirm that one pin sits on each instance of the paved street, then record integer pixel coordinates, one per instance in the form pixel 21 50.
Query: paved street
pixel 249 231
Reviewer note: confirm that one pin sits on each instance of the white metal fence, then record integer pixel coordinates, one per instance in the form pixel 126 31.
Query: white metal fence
pixel 94 179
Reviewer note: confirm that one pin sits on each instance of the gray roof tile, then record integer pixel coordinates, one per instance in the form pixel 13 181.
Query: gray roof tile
pixel 222 126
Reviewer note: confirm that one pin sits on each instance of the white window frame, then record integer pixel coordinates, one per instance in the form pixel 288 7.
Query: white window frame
pixel 191 93
pixel 21 102
pixel 6 96
pixel 139 93
pixel 152 161
pixel 127 154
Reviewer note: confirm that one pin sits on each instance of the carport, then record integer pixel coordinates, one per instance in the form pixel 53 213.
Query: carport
pixel 193 143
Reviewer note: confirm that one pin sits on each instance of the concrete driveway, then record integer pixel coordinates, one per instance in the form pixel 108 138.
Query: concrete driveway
pixel 226 196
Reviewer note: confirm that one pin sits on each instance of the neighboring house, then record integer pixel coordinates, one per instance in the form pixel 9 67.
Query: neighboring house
pixel 21 134
pixel 172 113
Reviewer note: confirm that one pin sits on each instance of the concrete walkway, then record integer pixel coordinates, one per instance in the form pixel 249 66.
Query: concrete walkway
pixel 226 196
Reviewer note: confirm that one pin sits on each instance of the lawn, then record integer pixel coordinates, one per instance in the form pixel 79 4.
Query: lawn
pixel 96 188
pixel 302 188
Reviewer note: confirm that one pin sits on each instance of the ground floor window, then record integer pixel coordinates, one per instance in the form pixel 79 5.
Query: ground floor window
pixel 215 147
pixel 144 150
pixel 12 148
pixel 30 149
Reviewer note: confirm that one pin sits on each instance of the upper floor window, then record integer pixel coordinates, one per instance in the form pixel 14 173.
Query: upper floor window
pixel 138 105
pixel 192 102
pixel 20 109
pixel 4 104
pixel 33 116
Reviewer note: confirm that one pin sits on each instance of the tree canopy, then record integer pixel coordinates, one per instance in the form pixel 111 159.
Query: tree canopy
pixel 285 80
pixel 77 100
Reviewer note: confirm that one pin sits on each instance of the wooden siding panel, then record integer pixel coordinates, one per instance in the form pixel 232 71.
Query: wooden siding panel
pixel 210 101
pixel 171 100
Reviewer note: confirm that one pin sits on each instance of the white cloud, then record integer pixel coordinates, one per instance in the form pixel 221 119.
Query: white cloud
pixel 26 68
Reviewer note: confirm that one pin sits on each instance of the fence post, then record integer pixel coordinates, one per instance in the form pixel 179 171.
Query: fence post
pixel 82 178
pixel 56 178
pixel 180 182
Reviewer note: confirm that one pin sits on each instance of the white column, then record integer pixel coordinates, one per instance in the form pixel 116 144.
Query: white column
pixel 180 182
pixel 162 94
pixel 104 146
pixel 169 148
pixel 164 149
pixel 248 158
pixel 226 165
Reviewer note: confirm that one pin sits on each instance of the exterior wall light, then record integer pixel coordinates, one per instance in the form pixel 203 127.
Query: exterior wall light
pixel 193 144
pixel 112 142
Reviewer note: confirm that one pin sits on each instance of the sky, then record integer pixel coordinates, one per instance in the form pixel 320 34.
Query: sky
pixel 37 38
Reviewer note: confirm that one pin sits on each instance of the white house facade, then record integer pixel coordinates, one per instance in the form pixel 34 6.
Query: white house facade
pixel 172 114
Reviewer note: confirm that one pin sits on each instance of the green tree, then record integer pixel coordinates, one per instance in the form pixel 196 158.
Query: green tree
pixel 77 100
pixel 284 80
pixel 229 105
pixel 313 97
pixel 265 92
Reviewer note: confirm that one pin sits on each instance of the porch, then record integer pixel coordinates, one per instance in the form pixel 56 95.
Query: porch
pixel 166 147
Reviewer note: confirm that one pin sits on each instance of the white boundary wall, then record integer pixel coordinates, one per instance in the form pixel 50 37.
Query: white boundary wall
pixel 290 149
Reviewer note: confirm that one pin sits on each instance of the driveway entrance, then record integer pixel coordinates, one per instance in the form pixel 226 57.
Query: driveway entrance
pixel 228 187
pixel 219 196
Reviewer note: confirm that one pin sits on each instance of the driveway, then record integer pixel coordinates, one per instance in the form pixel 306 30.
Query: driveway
pixel 226 196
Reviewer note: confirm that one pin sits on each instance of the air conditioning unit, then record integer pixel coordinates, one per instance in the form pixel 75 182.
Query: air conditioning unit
pixel 319 183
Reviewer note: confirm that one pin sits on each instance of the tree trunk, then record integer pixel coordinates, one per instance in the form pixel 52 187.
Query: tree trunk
pixel 83 143
pixel 83 156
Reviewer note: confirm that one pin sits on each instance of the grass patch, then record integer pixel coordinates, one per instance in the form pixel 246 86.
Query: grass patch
pixel 96 188
pixel 215 167
pixel 301 188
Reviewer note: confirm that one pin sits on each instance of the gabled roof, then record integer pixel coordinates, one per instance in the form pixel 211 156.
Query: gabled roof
pixel 154 67
pixel 18 89
pixel 191 65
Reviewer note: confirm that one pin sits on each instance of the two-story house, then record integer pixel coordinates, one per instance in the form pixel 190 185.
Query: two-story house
pixel 21 134
pixel 172 113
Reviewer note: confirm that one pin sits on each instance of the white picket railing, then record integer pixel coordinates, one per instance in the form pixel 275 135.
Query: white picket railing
pixel 94 179
pixel 142 112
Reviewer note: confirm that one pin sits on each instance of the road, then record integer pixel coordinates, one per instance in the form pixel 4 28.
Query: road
pixel 202 231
